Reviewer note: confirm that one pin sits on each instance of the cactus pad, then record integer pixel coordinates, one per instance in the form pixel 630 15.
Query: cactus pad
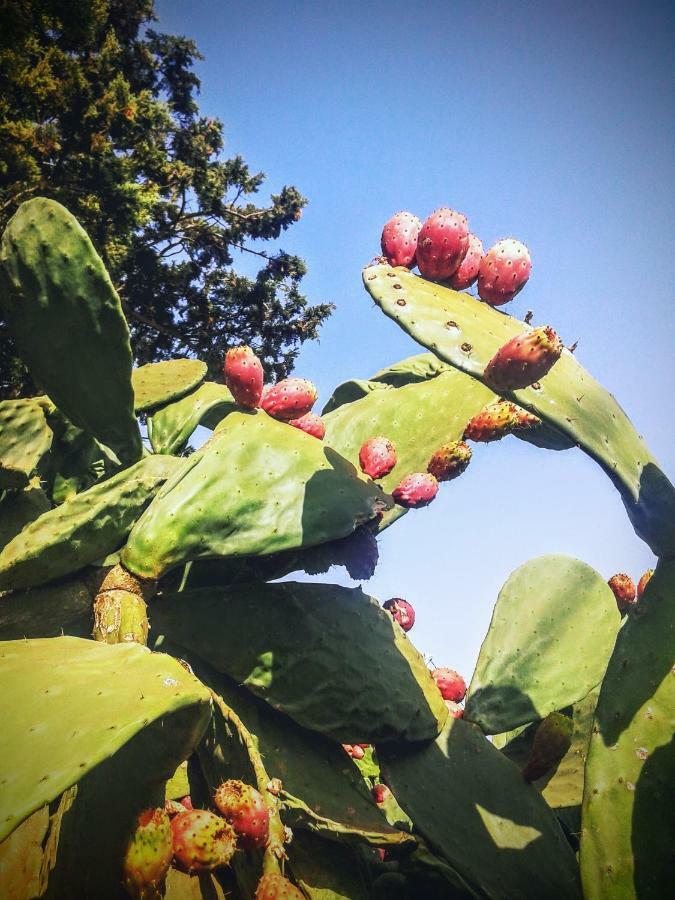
pixel 171 427
pixel 25 437
pixel 157 384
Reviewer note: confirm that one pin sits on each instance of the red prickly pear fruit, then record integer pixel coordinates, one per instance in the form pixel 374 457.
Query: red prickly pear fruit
pixel 642 583
pixel 523 360
pixel 623 588
pixel 310 423
pixel 380 793
pixel 503 271
pixel 244 376
pixel 187 802
pixel 467 272
pixel 377 457
pixel 449 461
pixel 289 399
pixel 450 683
pixel 525 420
pixel 399 239
pixel 148 855
pixel 454 709
pixel 365 746
pixel 202 841
pixel 357 752
pixel 244 808
pixel 552 740
pixel 442 244
pixel 382 853
pixel 493 422
pixel 416 490
pixel 401 611
pixel 276 887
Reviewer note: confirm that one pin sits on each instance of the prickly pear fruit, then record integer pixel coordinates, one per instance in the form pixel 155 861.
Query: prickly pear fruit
pixel 380 793
pixel 467 272
pixel 442 244
pixel 244 808
pixel 526 421
pixel 493 422
pixel 311 424
pixel 399 239
pixel 202 841
pixel 148 855
pixel 377 456
pixel 416 490
pixel 449 461
pixel 642 583
pixel 276 887
pixel 357 751
pixel 244 376
pixel 450 683
pixel 552 740
pixel 289 399
pixel 402 612
pixel 503 271
pixel 454 709
pixel 523 360
pixel 623 588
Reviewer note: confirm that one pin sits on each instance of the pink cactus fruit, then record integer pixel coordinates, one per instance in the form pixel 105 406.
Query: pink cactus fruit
pixel 289 399
pixel 310 423
pixel 381 793
pixel 493 422
pixel 467 272
pixel 244 808
pixel 244 376
pixel 275 887
pixel 451 684
pixel 449 461
pixel 416 490
pixel 623 588
pixel 148 855
pixel 377 456
pixel 642 583
pixel 202 841
pixel 523 360
pixel 401 611
pixel 442 244
pixel 399 239
pixel 503 271
pixel 454 709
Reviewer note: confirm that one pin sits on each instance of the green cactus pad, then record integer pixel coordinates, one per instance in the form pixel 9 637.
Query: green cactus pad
pixel 157 384
pixel 466 333
pixel 84 528
pixel 67 321
pixel 325 635
pixel 25 437
pixel 256 487
pixel 420 405
pixel 551 635
pixel 170 428
pixel 627 813
pixel 47 611
pixel 19 508
pixel 473 808
pixel 326 871
pixel 68 704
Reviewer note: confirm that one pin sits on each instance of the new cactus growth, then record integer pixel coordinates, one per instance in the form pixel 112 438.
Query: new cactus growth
pixel 202 841
pixel 148 856
pixel 244 376
pixel 244 808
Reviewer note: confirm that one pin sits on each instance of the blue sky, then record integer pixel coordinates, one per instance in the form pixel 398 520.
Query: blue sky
pixel 550 122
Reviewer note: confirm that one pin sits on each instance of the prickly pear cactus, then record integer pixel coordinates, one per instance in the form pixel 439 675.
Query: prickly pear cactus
pixel 25 437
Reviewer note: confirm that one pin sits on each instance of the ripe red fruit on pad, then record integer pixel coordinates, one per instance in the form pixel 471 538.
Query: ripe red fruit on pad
pixel 402 612
pixel 276 887
pixel 244 808
pixel 642 583
pixel 377 456
pixel 148 854
pixel 442 244
pixel 467 272
pixel 450 683
pixel 524 359
pixel 416 490
pixel 503 271
pixel 454 709
pixel 399 239
pixel 493 422
pixel 289 399
pixel 310 423
pixel 449 461
pixel 623 589
pixel 380 793
pixel 244 376
pixel 202 841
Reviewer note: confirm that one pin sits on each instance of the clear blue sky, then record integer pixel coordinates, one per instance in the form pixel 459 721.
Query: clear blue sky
pixel 551 122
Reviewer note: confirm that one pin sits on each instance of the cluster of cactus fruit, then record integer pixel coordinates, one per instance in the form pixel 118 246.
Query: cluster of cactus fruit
pixel 221 735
